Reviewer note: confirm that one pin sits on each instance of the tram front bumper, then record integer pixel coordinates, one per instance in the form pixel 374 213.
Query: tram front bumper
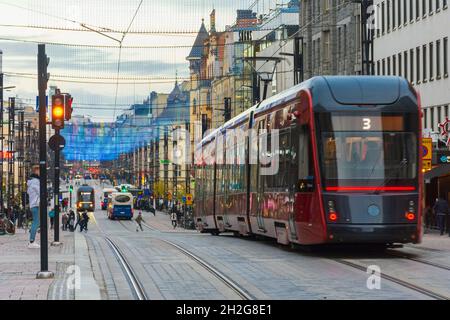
pixel 398 233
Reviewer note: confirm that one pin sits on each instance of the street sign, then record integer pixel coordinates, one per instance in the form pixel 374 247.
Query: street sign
pixel 189 199
pixel 427 149
pixel 57 142
pixel 427 165
pixel 37 103
pixel 164 161
pixel 183 199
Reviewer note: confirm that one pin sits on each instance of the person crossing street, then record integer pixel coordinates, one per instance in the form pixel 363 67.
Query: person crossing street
pixel 139 221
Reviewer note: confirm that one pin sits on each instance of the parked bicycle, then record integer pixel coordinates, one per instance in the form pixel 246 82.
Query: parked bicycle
pixel 6 225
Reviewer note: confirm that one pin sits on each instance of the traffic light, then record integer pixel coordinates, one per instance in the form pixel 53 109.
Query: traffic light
pixel 71 188
pixel 124 189
pixel 58 111
pixel 68 107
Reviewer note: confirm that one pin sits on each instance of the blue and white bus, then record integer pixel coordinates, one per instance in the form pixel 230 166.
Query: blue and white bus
pixel 120 206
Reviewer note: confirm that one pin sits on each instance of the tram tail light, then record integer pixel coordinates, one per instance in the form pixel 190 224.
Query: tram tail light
pixel 410 216
pixel 333 216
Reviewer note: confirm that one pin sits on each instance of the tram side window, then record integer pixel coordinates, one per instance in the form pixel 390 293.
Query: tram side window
pixel 305 164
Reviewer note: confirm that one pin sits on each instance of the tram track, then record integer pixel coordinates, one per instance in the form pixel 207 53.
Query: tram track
pixel 403 283
pixel 130 275
pixel 241 292
pixel 133 280
pixel 418 260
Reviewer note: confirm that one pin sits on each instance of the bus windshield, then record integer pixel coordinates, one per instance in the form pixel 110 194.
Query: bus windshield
pixel 376 158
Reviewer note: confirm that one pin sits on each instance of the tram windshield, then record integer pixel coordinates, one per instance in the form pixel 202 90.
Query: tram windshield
pixel 369 158
pixel 85 196
pixel 374 151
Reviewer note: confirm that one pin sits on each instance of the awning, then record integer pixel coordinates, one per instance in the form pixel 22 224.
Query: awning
pixel 440 170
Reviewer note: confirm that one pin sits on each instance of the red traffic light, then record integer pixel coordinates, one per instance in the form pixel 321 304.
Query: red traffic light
pixel 68 107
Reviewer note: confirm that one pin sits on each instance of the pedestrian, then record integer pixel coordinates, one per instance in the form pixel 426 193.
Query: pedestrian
pixel 441 210
pixel 64 221
pixel 84 222
pixel 71 221
pixel 139 221
pixel 173 217
pixel 33 191
pixel 51 215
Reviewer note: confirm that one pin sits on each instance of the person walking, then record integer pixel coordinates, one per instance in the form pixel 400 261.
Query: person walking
pixel 71 221
pixel 51 215
pixel 173 217
pixel 139 221
pixel 84 222
pixel 33 191
pixel 64 221
pixel 441 210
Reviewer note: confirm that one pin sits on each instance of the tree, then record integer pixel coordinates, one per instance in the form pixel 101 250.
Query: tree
pixel 159 189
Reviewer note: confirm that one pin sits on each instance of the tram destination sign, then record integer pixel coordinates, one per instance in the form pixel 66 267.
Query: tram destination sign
pixel 368 123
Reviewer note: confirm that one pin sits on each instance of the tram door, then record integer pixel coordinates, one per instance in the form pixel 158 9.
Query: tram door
pixel 262 134
pixel 293 178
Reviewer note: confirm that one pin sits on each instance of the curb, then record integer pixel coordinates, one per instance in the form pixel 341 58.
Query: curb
pixel 89 290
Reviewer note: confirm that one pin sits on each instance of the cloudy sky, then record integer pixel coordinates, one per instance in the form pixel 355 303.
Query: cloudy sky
pixel 85 63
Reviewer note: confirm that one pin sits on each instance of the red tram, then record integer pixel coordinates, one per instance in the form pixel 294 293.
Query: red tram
pixel 349 165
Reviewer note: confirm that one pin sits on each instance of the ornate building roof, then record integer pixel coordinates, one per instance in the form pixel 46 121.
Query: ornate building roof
pixel 197 48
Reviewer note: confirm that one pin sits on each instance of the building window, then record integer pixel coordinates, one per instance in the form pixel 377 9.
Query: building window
pixel 383 67
pixel 439 110
pixel 378 21
pixel 378 67
pixel 438 59
pixel 400 64
pixel 411 10
pixel 411 65
pixel 446 57
pixel 417 9
pixel 438 5
pixel 418 65
pixel 444 4
pixel 424 63
pixel 424 8
pixel 431 55
pixel 382 18
pixel 405 12
pixel 431 118
pixel 393 14
pixel 388 66
pixel 425 118
pixel 405 63
pixel 388 16
pixel 394 65
pixel 399 12
pixel 430 6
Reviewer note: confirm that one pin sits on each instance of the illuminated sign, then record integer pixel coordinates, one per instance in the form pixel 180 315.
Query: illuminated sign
pixel 368 123
pixel 443 128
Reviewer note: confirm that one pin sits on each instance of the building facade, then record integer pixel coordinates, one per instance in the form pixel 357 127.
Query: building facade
pixel 331 31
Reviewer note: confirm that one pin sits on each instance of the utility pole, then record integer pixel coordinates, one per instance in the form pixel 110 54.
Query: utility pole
pixel 21 154
pixel 11 152
pixel 42 85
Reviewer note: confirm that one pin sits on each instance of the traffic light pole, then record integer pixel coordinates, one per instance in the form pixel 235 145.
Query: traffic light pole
pixel 56 194
pixel 42 85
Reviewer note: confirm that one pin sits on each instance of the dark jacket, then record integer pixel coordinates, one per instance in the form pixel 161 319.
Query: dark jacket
pixel 441 207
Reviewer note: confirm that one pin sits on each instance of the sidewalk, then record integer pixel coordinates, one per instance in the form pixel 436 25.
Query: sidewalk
pixel 162 222
pixel 433 240
pixel 19 266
